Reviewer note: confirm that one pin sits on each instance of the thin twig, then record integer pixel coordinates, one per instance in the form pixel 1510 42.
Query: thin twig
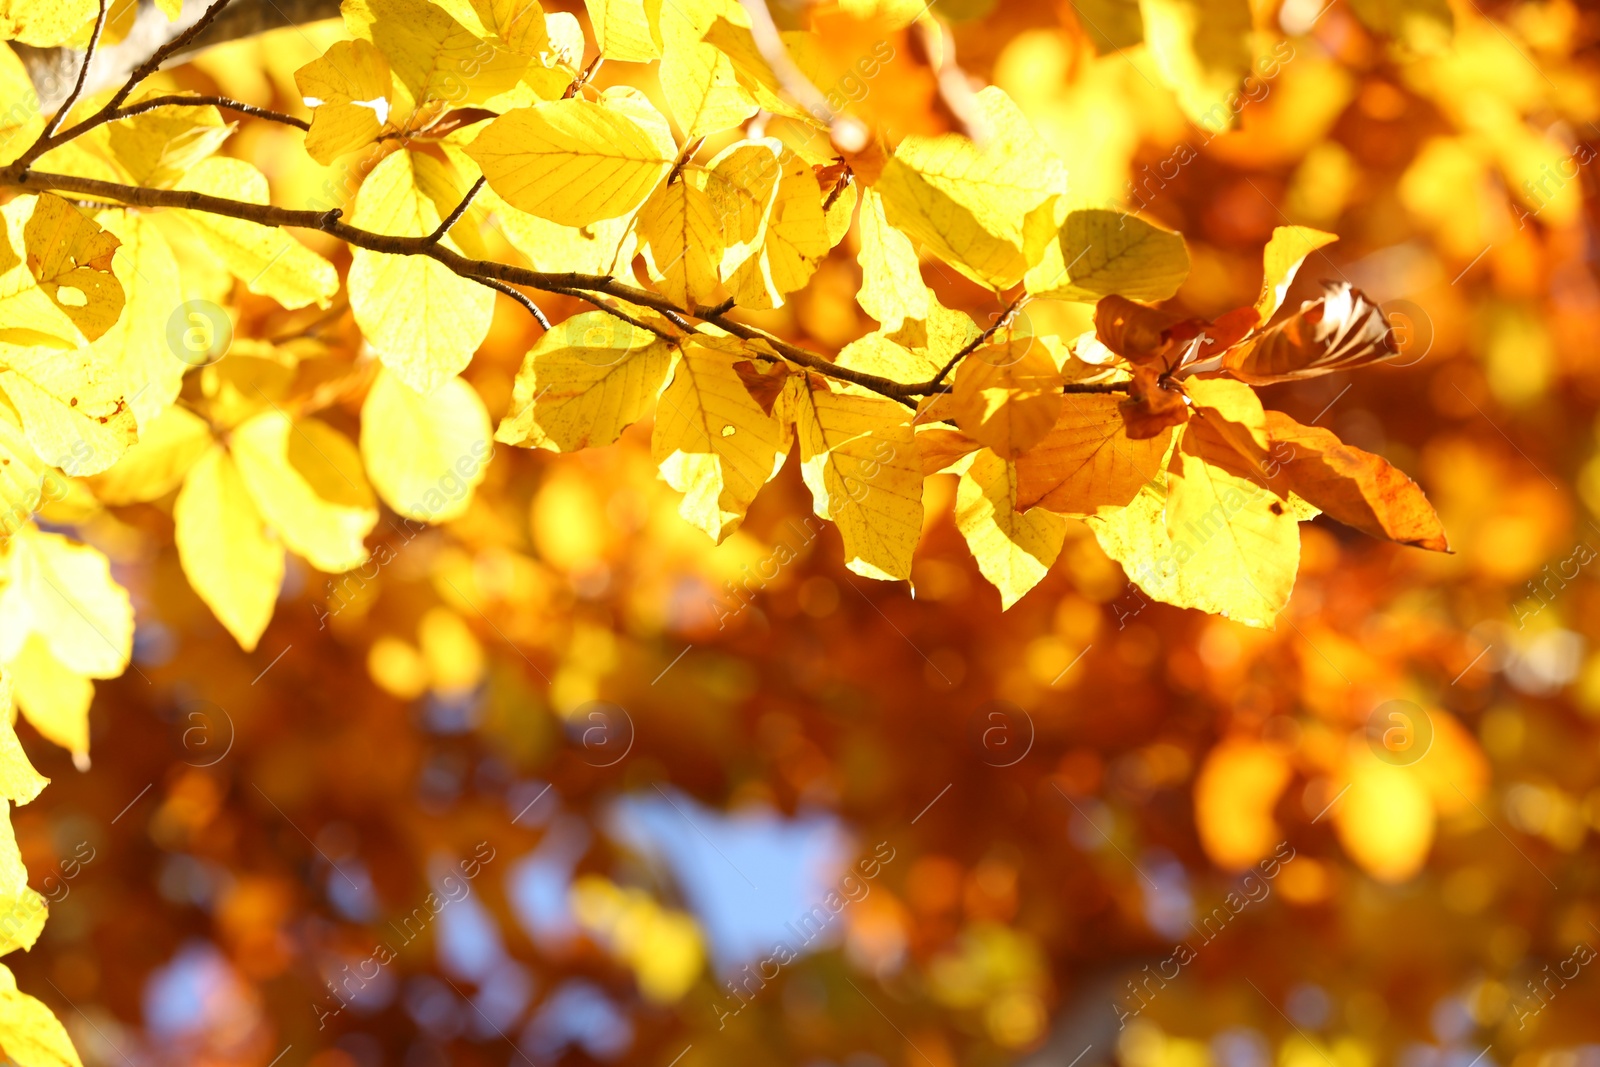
pixel 159 56
pixel 83 74
pixel 583 78
pixel 223 102
pixel 612 309
pixel 1006 319
pixel 519 297
pixel 455 216
pixel 53 135
pixel 683 159
pixel 846 179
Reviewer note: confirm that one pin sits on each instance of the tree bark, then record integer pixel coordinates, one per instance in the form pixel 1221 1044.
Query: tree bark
pixel 53 70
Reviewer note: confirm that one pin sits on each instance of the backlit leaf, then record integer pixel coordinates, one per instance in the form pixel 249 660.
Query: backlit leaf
pixel 307 483
pixel 859 459
pixel 712 441
pixel 230 559
pixel 267 260
pixel 1357 488
pixel 1013 550
pixel 425 454
pixel 1007 395
pixel 1087 464
pixel 1100 253
pixel 981 210
pixel 572 161
pixel 585 382
pixel 424 320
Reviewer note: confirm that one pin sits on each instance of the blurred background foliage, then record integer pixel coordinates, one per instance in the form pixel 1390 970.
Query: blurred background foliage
pixel 1065 791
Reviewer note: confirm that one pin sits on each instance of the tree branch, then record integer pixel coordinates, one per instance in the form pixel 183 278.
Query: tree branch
pixel 329 222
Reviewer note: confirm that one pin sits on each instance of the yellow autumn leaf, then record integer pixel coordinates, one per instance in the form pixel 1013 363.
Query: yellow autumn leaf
pixel 424 320
pixel 742 181
pixel 69 255
pixel 596 248
pixel 517 24
pixel 230 559
pixel 138 346
pixel 53 698
pixel 572 161
pixel 1100 253
pixel 1203 563
pixel 838 210
pixel 1007 395
pixel 987 212
pixel 267 260
pixel 682 242
pixel 63 592
pixel 158 147
pixel 347 90
pixel 1087 465
pixel 698 80
pixel 626 30
pixel 155 466
pixel 425 454
pixel 29 1034
pixel 1013 549
pixel 306 481
pixel 751 67
pixel 1202 51
pixel 793 244
pixel 712 441
pixel 71 405
pixel 1240 538
pixel 585 382
pixel 859 458
pixel 433 55
pixel 1288 248
pixel 19 782
pixel 28 314
pixel 892 289
pixel 44 23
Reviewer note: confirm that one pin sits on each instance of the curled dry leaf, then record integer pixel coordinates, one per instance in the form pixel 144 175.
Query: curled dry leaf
pixel 1340 331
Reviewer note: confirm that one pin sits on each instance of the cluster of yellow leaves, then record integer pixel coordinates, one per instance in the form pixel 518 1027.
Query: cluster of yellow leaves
pixel 446 97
